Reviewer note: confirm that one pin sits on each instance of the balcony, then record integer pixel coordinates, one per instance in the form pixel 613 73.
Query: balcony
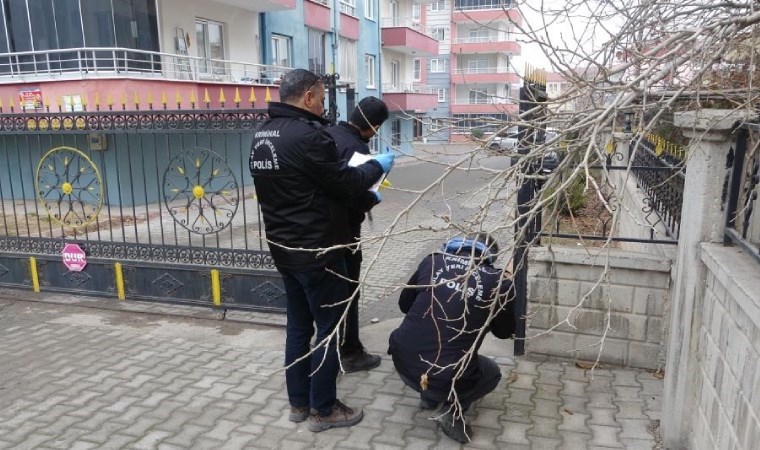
pixel 412 97
pixel 484 75
pixel 489 15
pixel 261 5
pixel 408 37
pixel 484 45
pixel 488 105
pixel 109 62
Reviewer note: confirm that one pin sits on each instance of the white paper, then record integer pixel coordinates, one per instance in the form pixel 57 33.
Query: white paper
pixel 360 158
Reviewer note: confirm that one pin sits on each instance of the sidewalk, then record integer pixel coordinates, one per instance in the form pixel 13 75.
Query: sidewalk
pixel 77 377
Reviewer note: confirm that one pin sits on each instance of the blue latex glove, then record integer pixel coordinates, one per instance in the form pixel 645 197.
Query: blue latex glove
pixel 378 196
pixel 385 160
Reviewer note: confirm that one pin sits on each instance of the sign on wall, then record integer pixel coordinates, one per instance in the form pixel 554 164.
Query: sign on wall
pixel 74 257
pixel 30 98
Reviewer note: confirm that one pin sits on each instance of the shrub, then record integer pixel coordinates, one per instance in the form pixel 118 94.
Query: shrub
pixel 477 134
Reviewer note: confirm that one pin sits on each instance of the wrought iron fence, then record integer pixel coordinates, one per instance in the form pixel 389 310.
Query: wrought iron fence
pixel 660 172
pixel 153 191
pixel 741 191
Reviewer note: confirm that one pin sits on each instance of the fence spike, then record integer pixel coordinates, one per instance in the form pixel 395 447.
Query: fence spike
pixel 252 97
pixel 137 98
pixel 84 102
pixel 268 96
pixel 97 99
pixel 206 98
pixel 124 99
pixel 237 98
pixel 164 98
pixel 193 98
pixel 222 98
pixel 177 98
pixel 150 98
pixel 109 100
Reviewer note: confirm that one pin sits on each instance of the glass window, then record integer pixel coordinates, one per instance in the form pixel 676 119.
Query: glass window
pixel 438 34
pixel 416 70
pixel 477 66
pixel 19 34
pixel 438 6
pixel 369 9
pixel 369 70
pixel 395 74
pixel 478 97
pixel 68 25
pixel 317 52
pixel 348 7
pixel 416 12
pixel 210 42
pixel 396 132
pixel 281 46
pixel 348 58
pixel 437 65
pixel 441 95
pixel 97 19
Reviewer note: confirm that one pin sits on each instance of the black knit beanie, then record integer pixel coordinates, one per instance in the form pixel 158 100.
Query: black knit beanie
pixel 371 111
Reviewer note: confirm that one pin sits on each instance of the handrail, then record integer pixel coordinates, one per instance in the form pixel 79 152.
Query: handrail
pixel 403 22
pixel 482 70
pixel 409 88
pixel 105 61
pixel 483 39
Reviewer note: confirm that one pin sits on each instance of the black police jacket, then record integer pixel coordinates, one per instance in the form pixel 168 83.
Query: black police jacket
pixel 442 321
pixel 303 187
pixel 349 141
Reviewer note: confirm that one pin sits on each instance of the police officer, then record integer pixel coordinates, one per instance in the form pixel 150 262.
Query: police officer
pixel 449 299
pixel 353 137
pixel 303 187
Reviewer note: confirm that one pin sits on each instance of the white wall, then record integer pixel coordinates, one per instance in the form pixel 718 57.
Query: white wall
pixel 242 41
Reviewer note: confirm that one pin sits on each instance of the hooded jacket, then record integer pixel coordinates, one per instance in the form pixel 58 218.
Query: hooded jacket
pixel 303 187
pixel 442 322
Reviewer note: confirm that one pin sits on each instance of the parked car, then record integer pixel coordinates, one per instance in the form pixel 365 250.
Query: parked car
pixel 505 141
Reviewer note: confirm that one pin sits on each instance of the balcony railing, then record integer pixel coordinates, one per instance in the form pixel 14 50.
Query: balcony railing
pixel 482 70
pixel 392 22
pixel 109 62
pixel 475 5
pixel 483 39
pixel 491 100
pixel 410 88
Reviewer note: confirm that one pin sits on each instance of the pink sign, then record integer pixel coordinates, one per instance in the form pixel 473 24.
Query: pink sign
pixel 74 257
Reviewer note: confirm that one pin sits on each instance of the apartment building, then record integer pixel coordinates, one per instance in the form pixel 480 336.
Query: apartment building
pixel 407 42
pixel 484 79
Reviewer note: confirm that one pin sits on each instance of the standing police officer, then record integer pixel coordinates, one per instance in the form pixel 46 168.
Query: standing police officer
pixel 303 187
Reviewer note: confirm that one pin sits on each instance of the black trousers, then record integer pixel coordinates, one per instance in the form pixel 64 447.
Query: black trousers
pixel 490 376
pixel 351 343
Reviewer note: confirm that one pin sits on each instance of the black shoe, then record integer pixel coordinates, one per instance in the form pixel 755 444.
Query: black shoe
pixel 298 413
pixel 455 428
pixel 428 404
pixel 341 416
pixel 360 361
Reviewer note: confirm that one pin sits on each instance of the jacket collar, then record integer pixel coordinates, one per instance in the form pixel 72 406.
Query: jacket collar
pixel 278 109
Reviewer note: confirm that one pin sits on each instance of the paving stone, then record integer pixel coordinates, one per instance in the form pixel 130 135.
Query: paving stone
pixel 604 436
pixel 573 388
pixel 603 416
pixel 574 440
pixel 546 408
pixel 574 404
pixel 542 443
pixel 574 422
pixel 515 433
pixel 544 427
pixel 630 410
pixel 635 429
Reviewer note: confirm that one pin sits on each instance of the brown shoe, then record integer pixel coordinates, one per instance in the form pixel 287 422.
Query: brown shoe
pixel 298 413
pixel 341 416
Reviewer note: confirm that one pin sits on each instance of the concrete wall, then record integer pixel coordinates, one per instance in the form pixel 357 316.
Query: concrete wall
pixel 565 283
pixel 728 380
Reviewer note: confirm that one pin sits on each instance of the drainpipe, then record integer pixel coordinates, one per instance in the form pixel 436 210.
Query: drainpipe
pixel 263 38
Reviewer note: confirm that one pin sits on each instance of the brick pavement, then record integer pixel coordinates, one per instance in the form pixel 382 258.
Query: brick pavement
pixel 73 377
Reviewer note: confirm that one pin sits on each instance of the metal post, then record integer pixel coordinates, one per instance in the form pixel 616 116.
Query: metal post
pixel 532 94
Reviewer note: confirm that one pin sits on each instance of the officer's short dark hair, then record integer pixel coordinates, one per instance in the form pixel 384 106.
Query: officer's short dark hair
pixel 295 84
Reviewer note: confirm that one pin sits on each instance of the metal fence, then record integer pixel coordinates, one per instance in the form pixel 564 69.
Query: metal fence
pixel 161 203
pixel 741 191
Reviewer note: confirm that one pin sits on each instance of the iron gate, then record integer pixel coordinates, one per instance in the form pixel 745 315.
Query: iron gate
pixel 161 202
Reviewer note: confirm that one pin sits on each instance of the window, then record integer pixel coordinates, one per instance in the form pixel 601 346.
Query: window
pixel 416 70
pixel 281 46
pixel 33 25
pixel 395 74
pixel 437 125
pixel 316 52
pixel 438 34
pixel 477 66
pixel 369 70
pixel 348 7
pixel 369 9
pixel 438 6
pixel 348 60
pixel 478 97
pixel 209 36
pixel 479 35
pixel 437 65
pixel 416 12
pixel 396 132
pixel 441 95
